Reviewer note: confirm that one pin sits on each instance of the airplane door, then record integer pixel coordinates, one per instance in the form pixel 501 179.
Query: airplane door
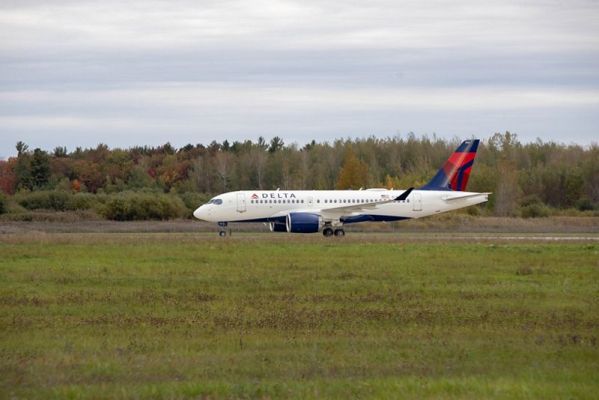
pixel 416 201
pixel 241 202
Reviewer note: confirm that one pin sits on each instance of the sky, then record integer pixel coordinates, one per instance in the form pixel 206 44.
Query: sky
pixel 78 73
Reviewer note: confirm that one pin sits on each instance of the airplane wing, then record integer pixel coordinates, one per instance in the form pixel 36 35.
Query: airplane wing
pixel 348 209
pixel 335 213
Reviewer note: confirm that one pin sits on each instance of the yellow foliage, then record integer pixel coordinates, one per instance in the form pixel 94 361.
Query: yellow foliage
pixel 354 173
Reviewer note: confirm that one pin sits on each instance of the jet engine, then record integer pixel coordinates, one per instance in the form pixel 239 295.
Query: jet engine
pixel 303 222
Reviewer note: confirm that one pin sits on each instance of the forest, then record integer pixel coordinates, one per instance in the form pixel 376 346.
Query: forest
pixel 534 179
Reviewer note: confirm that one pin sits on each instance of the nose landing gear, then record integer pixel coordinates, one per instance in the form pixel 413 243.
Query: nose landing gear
pixel 223 229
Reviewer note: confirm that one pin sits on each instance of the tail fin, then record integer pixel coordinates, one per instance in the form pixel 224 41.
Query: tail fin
pixel 455 172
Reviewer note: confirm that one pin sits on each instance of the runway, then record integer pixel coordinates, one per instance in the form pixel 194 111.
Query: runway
pixel 504 237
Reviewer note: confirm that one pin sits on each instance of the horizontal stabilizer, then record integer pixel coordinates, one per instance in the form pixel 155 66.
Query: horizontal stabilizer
pixel 465 196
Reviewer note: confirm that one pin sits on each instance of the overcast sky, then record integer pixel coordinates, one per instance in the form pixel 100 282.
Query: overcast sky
pixel 77 73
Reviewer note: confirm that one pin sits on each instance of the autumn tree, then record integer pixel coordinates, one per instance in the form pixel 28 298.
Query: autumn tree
pixel 8 179
pixel 557 175
pixel 507 191
pixel 354 173
pixel 223 166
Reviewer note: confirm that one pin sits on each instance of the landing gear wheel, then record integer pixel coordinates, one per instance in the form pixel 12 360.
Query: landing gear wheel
pixel 339 232
pixel 327 232
pixel 223 229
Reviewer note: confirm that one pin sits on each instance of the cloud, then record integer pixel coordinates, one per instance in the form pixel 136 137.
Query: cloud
pixel 179 70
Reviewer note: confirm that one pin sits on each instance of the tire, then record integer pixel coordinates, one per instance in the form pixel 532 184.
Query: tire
pixel 222 233
pixel 327 232
pixel 339 232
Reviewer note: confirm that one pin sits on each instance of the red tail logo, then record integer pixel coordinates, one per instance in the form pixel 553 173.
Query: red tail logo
pixel 455 172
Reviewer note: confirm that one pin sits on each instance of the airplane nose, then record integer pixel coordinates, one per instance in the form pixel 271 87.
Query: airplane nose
pixel 199 213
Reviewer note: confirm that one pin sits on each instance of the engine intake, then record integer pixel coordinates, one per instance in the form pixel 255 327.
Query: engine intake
pixel 303 222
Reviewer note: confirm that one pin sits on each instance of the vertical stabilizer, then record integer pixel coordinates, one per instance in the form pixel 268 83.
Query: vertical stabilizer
pixel 455 172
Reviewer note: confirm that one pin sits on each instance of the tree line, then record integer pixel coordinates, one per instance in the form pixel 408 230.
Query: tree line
pixel 528 179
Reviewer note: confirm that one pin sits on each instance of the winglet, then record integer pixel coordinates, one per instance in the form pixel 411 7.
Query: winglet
pixel 404 195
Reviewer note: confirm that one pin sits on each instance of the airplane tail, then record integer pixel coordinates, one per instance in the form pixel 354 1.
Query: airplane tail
pixel 455 172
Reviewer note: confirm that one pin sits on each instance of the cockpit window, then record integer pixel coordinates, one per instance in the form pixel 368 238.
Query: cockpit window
pixel 215 201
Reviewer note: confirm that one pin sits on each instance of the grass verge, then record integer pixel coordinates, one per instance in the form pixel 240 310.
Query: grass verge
pixel 176 316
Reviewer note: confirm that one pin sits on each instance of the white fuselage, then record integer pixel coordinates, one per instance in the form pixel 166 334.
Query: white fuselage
pixel 335 206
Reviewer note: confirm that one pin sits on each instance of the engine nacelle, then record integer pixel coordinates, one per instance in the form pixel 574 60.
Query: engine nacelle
pixel 277 227
pixel 303 222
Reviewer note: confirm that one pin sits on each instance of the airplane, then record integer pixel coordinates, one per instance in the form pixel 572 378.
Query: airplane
pixel 327 211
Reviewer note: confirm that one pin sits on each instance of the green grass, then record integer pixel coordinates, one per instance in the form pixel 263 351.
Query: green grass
pixel 187 315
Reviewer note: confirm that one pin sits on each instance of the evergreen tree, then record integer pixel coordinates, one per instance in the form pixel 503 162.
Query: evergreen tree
pixel 276 144
pixel 60 151
pixel 40 168
pixel 22 168
pixel 21 148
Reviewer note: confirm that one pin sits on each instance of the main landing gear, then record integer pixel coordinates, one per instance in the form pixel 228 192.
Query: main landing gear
pixel 328 231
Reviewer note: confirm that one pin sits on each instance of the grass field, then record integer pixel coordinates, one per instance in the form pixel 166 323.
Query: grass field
pixel 265 316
